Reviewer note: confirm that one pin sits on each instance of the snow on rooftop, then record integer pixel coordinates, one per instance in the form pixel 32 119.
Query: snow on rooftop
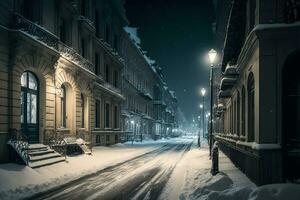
pixel 173 94
pixel 132 32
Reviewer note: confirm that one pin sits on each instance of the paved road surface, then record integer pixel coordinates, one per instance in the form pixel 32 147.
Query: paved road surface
pixel 143 177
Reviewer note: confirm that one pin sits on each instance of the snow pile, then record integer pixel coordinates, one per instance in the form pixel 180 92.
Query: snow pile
pixel 276 191
pixel 266 192
pixel 218 187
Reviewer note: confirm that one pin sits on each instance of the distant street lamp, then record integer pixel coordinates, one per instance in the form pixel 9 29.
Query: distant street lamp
pixel 212 54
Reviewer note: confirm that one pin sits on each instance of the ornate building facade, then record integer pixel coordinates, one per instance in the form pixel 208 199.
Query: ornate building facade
pixel 60 70
pixel 259 88
pixel 62 75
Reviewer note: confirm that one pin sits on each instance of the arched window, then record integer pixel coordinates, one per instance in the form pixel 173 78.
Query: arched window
pixel 29 106
pixel 243 122
pixel 82 111
pixel 63 106
pixel 238 120
pixel 250 92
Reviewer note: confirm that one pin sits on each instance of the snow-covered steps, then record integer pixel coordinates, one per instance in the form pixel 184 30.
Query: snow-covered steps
pixel 85 149
pixel 41 155
pixel 42 163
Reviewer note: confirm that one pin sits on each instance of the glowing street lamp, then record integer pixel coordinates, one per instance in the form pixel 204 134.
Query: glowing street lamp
pixel 203 91
pixel 212 54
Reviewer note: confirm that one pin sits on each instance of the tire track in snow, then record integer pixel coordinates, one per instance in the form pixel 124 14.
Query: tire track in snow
pixel 142 177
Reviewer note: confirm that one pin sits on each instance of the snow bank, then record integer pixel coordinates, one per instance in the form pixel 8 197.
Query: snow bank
pixel 276 191
pixel 266 192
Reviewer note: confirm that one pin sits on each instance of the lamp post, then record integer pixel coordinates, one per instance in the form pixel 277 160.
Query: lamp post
pixel 212 54
pixel 203 92
pixel 133 130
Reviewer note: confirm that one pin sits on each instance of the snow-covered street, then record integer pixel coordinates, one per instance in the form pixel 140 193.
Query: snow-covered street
pixel 163 169
pixel 138 178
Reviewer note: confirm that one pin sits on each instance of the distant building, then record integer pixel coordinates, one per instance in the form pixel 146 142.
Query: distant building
pixel 149 109
pixel 259 91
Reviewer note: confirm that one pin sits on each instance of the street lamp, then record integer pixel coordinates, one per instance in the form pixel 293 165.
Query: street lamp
pixel 212 54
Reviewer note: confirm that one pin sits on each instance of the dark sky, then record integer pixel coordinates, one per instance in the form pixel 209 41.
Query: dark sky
pixel 177 34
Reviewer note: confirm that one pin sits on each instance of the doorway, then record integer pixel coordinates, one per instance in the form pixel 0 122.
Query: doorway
pixel 29 106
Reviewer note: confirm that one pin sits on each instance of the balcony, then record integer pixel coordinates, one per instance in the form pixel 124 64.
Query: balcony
pixel 227 83
pixel 224 94
pixel 112 88
pixel 159 102
pixel 145 94
pixel 35 31
pixel 110 51
pixel 73 56
pixel 231 70
pixel 86 23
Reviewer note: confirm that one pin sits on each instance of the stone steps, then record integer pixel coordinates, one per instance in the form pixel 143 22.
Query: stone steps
pixel 42 155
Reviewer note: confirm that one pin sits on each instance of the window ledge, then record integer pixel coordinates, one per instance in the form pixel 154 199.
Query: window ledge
pixel 63 129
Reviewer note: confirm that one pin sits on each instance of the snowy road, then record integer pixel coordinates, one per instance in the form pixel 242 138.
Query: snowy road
pixel 143 177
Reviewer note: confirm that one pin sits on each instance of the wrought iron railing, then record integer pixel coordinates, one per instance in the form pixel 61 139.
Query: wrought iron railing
pixel 112 88
pixel 87 138
pixel 19 142
pixel 35 31
pixel 72 55
pixel 58 144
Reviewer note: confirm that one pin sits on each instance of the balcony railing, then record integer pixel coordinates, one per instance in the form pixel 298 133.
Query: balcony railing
pixel 87 23
pixel 112 88
pixel 111 51
pixel 35 31
pixel 72 54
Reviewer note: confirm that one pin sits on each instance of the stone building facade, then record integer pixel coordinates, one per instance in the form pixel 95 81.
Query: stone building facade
pixel 60 70
pixel 260 89
pixel 149 104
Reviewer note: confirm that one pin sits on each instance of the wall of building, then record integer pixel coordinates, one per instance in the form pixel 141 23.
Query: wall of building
pixel 268 43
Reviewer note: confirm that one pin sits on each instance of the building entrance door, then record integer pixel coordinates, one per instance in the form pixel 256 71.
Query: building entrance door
pixel 29 106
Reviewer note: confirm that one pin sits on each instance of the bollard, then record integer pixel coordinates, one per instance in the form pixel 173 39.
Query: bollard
pixel 215 159
pixel 199 141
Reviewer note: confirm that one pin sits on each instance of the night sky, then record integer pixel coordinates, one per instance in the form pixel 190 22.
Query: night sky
pixel 177 34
